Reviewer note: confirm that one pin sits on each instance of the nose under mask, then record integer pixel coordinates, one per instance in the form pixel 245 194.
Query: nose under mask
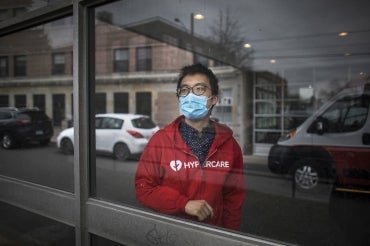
pixel 194 107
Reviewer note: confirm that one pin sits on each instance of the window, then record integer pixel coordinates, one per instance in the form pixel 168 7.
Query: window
pixel 39 102
pixel 144 103
pixel 110 123
pixel 3 14
pixel 100 103
pixel 4 66
pixel 26 63
pixel 4 100
pixel 20 101
pixel 144 59
pixel 121 102
pixel 348 114
pixel 20 66
pixel 126 56
pixel 223 109
pixel 121 63
pixel 59 63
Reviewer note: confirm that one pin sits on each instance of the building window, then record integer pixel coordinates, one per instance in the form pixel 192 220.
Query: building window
pixel 4 64
pixel 20 66
pixel 120 63
pixel 3 14
pixel 223 109
pixel 20 101
pixel 59 109
pixel 144 103
pixel 144 59
pixel 120 102
pixel 39 101
pixel 100 103
pixel 59 63
pixel 4 101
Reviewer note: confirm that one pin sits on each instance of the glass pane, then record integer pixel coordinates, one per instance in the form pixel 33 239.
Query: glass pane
pixel 39 102
pixel 268 107
pixel 268 123
pixel 276 69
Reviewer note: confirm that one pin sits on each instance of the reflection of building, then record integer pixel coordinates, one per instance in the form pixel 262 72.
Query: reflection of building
pixel 136 67
pixel 135 73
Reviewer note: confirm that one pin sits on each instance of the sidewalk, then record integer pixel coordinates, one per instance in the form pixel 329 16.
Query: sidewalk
pixel 255 159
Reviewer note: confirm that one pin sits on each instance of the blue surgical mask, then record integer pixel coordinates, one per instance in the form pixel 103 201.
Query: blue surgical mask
pixel 193 107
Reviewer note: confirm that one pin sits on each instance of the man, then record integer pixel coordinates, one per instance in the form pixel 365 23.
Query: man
pixel 193 168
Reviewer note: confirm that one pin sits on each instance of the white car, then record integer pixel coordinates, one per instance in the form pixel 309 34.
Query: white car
pixel 122 135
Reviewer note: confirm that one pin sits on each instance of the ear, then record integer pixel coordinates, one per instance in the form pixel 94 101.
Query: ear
pixel 214 100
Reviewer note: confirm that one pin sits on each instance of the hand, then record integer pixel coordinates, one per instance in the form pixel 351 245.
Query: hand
pixel 199 208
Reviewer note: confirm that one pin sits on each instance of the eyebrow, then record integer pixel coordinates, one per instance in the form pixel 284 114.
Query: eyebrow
pixel 199 83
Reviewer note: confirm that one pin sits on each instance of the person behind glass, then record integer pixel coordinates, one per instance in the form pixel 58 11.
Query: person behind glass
pixel 193 167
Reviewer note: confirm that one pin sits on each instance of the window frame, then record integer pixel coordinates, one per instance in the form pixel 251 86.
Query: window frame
pixel 20 65
pixel 58 68
pixel 79 209
pixel 121 65
pixel 144 64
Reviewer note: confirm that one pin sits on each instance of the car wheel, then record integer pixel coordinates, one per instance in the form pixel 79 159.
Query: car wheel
pixel 7 141
pixel 66 146
pixel 307 174
pixel 121 152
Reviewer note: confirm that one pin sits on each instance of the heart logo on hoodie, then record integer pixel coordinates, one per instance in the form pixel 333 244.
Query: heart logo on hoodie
pixel 176 165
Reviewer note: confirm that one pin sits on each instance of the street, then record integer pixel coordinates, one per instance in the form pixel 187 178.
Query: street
pixel 273 209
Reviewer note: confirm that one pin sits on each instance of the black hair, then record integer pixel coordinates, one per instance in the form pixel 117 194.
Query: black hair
pixel 199 69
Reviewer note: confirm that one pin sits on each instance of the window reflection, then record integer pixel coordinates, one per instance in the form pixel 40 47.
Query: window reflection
pixel 138 53
pixel 36 84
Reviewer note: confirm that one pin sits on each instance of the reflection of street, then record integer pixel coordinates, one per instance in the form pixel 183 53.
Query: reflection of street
pixel 272 210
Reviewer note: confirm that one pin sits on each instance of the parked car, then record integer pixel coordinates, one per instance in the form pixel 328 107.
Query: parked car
pixel 121 135
pixel 20 126
pixel 332 144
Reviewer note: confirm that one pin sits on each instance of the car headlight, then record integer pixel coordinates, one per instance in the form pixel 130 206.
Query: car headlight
pixel 288 136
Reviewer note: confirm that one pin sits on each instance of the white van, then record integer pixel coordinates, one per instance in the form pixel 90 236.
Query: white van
pixel 333 143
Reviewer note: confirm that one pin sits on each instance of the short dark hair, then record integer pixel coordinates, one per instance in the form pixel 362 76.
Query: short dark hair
pixel 199 69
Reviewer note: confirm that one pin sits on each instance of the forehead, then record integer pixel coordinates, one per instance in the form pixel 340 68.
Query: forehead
pixel 191 80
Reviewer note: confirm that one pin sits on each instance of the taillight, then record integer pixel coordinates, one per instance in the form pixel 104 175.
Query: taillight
pixel 135 134
pixel 23 121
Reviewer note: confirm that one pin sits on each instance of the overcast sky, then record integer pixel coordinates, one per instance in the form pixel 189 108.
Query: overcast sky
pixel 284 29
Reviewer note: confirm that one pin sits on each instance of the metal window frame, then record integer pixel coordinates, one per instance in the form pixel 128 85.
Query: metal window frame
pixel 123 224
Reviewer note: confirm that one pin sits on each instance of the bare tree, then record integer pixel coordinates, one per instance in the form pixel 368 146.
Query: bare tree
pixel 227 34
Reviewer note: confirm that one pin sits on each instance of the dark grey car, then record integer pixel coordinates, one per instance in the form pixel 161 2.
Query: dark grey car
pixel 20 126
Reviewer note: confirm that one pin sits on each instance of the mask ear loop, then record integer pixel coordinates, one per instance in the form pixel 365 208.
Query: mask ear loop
pixel 211 108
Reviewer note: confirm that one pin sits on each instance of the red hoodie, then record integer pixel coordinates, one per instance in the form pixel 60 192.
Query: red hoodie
pixel 169 175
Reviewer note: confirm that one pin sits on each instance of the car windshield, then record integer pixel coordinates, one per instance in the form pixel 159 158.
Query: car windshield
pixel 143 123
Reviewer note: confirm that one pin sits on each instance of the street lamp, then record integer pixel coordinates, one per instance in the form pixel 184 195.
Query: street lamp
pixel 192 18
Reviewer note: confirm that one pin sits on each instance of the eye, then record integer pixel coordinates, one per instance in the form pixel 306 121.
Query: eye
pixel 184 90
pixel 199 89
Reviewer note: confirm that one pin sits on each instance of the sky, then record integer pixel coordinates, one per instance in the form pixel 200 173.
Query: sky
pixel 275 28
